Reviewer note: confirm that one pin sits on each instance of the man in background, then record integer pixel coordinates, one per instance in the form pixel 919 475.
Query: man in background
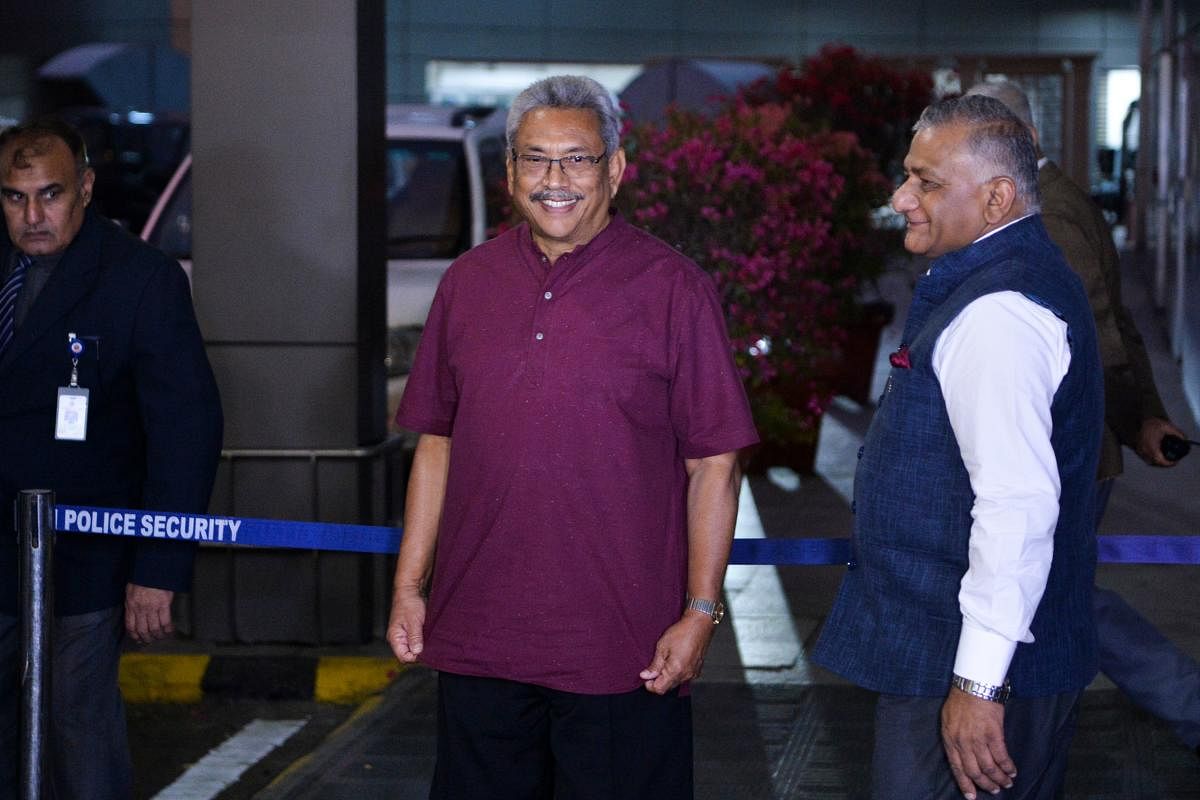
pixel 106 397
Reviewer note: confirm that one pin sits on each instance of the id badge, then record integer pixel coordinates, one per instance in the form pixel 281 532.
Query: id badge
pixel 71 420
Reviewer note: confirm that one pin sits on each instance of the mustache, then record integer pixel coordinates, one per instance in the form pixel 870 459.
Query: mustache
pixel 554 195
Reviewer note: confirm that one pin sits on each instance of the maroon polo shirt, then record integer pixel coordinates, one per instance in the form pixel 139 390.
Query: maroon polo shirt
pixel 572 394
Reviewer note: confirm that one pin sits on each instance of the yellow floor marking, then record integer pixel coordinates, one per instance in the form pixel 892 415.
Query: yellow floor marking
pixel 155 678
pixel 351 679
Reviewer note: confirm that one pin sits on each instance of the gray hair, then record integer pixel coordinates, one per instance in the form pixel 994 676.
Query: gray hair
pixel 997 136
pixel 1009 93
pixel 568 91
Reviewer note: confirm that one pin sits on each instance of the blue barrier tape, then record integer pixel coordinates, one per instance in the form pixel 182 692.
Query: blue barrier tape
pixel 1122 549
pixel 248 532
pixel 240 531
pixel 790 551
pixel 1130 549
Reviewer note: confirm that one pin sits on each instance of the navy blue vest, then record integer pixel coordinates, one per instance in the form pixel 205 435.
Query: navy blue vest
pixel 895 625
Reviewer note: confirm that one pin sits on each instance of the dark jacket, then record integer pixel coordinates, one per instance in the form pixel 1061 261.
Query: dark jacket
pixel 1076 225
pixel 154 420
pixel 895 625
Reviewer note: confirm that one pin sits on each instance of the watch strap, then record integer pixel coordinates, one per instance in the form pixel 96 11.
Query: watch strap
pixel 984 691
pixel 714 609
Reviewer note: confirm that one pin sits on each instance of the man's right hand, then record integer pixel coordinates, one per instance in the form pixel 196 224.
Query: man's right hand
pixel 406 625
pixel 973 737
pixel 148 613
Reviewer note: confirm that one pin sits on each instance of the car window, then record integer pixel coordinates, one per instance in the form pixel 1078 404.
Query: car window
pixel 133 161
pixel 427 200
pixel 173 233
pixel 495 182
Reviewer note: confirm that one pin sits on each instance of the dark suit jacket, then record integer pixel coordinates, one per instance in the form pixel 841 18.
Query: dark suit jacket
pixel 154 418
pixel 1076 225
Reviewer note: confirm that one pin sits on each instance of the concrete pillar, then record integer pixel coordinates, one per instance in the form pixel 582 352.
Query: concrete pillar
pixel 1143 207
pixel 289 278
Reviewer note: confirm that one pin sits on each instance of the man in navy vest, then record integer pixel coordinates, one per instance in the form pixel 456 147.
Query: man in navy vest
pixel 1155 673
pixel 967 604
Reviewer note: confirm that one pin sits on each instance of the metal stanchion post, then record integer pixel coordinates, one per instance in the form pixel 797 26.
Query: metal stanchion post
pixel 35 537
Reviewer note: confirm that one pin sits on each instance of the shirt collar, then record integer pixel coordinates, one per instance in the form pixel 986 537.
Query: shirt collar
pixel 598 242
pixel 929 271
pixel 1005 225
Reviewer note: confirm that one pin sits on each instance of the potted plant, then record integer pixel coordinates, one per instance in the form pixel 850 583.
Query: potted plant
pixel 752 199
pixel 841 89
pixel 776 196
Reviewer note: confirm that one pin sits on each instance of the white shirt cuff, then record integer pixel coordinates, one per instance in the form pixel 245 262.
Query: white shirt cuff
pixel 983 656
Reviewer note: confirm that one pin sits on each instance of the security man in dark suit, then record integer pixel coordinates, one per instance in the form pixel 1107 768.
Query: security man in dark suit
pixel 106 397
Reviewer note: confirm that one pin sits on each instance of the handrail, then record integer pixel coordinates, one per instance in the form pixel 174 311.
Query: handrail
pixel 372 451
pixel 380 499
pixel 232 456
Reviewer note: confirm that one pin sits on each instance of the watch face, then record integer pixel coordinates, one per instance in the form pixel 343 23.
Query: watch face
pixel 718 613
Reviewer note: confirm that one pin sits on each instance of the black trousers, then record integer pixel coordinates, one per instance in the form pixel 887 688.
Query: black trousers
pixel 910 762
pixel 89 750
pixel 501 740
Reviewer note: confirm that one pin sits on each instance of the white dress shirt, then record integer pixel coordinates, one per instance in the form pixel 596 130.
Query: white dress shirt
pixel 999 363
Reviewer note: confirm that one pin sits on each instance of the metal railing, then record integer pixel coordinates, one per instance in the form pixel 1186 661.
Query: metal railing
pixel 380 472
pixel 315 457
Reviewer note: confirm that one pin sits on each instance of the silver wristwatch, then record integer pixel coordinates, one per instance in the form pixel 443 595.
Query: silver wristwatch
pixel 713 608
pixel 984 691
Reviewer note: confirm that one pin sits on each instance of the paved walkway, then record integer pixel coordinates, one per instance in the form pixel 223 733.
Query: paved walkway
pixel 771 725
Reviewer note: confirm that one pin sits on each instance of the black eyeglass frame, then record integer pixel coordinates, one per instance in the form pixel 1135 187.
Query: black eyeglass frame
pixel 520 159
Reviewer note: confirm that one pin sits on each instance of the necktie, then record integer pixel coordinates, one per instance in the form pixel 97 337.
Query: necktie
pixel 8 299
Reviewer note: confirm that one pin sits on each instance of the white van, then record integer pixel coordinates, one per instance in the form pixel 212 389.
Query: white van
pixel 445 191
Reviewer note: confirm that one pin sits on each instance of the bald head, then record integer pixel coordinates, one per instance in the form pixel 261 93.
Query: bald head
pixel 36 138
pixel 1009 93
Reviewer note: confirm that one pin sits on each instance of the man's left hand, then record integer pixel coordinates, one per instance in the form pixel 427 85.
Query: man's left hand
pixel 973 735
pixel 1149 443
pixel 679 654
pixel 148 613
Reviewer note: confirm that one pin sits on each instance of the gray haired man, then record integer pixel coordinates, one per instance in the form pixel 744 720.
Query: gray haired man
pixel 966 604
pixel 572 497
pixel 1159 676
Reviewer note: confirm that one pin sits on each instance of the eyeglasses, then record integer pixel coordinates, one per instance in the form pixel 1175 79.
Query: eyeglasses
pixel 573 166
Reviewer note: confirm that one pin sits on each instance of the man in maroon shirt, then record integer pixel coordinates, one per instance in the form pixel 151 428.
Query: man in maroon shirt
pixel 576 479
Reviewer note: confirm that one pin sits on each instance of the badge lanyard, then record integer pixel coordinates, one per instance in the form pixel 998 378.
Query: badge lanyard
pixel 71 420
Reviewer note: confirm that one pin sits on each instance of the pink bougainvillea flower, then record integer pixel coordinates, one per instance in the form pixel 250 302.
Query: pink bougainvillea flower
pixel 774 195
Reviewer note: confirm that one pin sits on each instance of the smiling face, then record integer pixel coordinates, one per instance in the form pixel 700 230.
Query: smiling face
pixel 43 194
pixel 945 196
pixel 563 212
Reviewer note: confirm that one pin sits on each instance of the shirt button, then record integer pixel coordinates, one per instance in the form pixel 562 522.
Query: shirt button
pixel 540 336
pixel 548 295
